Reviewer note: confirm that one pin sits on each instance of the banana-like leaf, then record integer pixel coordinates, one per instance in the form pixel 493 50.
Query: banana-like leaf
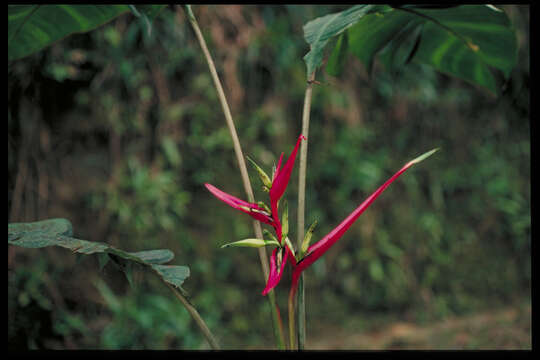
pixel 34 27
pixel 318 31
pixel 57 232
pixel 467 41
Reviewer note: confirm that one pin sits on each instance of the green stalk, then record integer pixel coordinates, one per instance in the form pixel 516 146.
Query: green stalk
pixel 291 320
pixel 280 339
pixel 301 208
pixel 301 315
pixel 197 317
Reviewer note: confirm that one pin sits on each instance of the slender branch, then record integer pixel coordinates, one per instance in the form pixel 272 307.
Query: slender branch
pixel 197 317
pixel 243 169
pixel 301 208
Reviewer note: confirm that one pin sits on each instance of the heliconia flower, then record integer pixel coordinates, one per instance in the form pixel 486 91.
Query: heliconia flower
pixel 279 182
pixel 315 251
pixel 251 209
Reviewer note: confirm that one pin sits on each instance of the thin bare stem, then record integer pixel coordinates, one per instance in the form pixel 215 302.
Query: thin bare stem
pixel 197 317
pixel 243 168
pixel 301 208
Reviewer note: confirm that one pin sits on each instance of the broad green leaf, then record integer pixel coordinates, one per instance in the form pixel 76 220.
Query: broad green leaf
pixel 467 41
pixel 402 47
pixel 481 38
pixel 338 56
pixel 374 31
pixel 174 275
pixel 161 256
pixel 50 226
pixel 317 32
pixel 33 27
pixel 57 232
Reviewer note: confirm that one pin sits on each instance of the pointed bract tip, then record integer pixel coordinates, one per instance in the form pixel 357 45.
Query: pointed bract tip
pixel 423 156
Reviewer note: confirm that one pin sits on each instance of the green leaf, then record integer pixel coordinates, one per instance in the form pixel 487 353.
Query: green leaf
pixel 161 256
pixel 374 31
pixel 103 259
pixel 33 27
pixel 480 38
pixel 467 41
pixel 338 56
pixel 318 31
pixel 57 232
pixel 174 275
pixel 254 243
pixel 402 47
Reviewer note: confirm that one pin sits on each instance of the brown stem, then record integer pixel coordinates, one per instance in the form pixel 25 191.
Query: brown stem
pixel 301 206
pixel 197 317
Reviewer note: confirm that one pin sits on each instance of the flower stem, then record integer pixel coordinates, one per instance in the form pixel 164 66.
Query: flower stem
pixel 197 317
pixel 291 320
pixel 301 208
pixel 301 314
pixel 243 170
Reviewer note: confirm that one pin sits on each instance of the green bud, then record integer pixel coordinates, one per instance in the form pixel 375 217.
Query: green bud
pixel 285 220
pixel 307 238
pixel 279 257
pixel 262 175
pixel 264 206
pixel 289 244
pixel 255 243
pixel 270 235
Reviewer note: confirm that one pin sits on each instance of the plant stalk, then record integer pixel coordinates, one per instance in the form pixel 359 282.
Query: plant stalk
pixel 291 320
pixel 301 208
pixel 278 331
pixel 197 317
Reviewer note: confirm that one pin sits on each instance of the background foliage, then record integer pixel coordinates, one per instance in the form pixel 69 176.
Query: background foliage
pixel 118 129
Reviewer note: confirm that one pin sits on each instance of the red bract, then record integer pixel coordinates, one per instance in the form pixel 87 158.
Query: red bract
pixel 276 270
pixel 251 209
pixel 315 251
pixel 282 176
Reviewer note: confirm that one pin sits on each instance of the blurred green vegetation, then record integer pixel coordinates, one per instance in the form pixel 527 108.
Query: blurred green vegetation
pixel 117 131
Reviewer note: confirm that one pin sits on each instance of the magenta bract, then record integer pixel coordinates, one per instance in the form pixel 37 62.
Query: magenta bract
pixel 251 209
pixel 318 249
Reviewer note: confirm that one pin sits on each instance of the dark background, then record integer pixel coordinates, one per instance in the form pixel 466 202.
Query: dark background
pixel 117 131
